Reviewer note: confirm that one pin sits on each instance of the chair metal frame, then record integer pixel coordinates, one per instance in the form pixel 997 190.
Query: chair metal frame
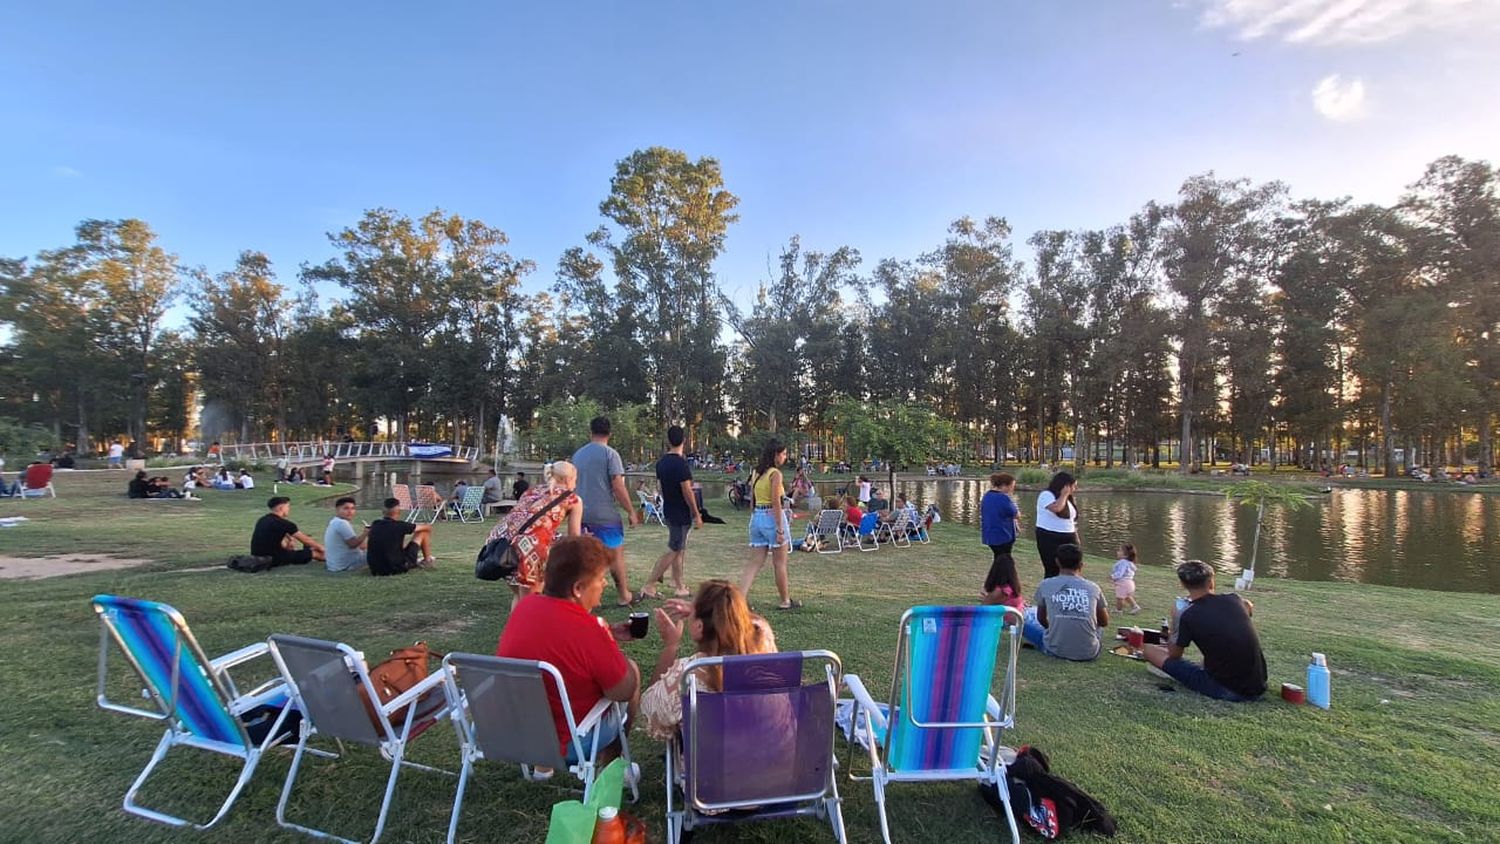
pixel 651 507
pixel 425 499
pixel 830 522
pixel 989 768
pixel 227 696
pixel 391 741
pixel 471 505
pixel 585 769
pixel 824 803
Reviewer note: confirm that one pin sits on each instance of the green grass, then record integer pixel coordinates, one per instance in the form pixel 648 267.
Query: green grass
pixel 1411 750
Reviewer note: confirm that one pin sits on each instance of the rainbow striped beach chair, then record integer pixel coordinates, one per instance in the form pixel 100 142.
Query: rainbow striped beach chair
pixel 194 695
pixel 942 724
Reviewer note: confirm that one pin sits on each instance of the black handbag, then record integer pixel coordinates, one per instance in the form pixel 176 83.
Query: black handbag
pixel 497 559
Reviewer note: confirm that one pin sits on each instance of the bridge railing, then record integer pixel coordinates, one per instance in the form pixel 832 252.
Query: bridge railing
pixel 312 451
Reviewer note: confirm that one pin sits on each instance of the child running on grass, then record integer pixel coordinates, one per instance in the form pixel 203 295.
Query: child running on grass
pixel 1123 576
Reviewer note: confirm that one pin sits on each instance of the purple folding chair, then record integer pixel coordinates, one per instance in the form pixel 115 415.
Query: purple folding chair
pixel 759 749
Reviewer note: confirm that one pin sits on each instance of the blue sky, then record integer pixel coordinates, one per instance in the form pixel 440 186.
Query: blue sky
pixel 872 124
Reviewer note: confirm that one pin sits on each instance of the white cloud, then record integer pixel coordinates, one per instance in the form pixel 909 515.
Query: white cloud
pixel 67 172
pixel 1338 99
pixel 1320 22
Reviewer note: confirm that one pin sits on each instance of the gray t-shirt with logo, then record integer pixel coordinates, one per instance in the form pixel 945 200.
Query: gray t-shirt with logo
pixel 598 465
pixel 1072 609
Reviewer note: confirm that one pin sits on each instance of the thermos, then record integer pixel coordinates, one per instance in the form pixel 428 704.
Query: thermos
pixel 1317 681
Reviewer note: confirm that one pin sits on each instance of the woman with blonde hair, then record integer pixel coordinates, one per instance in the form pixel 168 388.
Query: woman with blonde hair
pixel 540 512
pixel 720 624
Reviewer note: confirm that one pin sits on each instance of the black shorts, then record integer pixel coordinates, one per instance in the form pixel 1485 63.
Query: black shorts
pixel 300 557
pixel 677 536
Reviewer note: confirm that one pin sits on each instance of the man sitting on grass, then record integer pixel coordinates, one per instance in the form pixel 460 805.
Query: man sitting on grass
pixel 277 537
pixel 1234 667
pixel 1069 611
pixel 558 626
pixel 396 546
pixel 346 549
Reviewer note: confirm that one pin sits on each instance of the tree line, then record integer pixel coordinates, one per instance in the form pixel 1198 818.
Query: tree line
pixel 1231 323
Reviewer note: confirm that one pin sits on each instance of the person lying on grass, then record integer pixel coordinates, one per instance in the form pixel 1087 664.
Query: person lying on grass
pixel 1234 667
pixel 1070 611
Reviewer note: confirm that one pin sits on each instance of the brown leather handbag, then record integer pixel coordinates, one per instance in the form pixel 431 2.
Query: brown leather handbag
pixel 391 678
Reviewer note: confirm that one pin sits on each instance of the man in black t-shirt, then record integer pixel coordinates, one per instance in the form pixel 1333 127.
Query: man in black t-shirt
pixel 519 488
pixel 277 537
pixel 1234 668
pixel 679 507
pixel 397 546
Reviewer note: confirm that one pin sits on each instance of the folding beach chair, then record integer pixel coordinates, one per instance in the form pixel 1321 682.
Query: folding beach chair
pixel 36 481
pixel 193 695
pixel 867 533
pixel 762 748
pixel 942 723
pixel 470 507
pixel 896 531
pixel 829 529
pixel 427 501
pixel 650 507
pixel 330 685
pixel 501 713
pixel 404 500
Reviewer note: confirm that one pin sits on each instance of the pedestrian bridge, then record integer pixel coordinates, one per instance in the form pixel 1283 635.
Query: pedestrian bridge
pixel 311 453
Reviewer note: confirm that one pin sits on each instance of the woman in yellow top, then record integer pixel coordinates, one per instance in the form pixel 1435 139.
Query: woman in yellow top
pixel 770 533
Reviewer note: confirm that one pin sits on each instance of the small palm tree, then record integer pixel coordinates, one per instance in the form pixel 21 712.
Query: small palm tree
pixel 1259 494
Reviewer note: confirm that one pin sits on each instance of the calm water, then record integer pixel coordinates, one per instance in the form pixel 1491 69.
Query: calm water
pixel 1434 540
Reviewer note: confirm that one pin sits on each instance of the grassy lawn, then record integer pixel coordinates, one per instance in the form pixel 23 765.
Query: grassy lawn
pixel 1411 750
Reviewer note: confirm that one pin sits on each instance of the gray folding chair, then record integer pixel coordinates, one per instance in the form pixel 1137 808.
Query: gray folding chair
pixel 330 683
pixel 830 532
pixel 501 713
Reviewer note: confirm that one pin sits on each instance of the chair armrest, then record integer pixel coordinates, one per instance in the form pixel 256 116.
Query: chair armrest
pixel 593 716
pixel 992 708
pixel 240 656
pixel 409 696
pixel 863 699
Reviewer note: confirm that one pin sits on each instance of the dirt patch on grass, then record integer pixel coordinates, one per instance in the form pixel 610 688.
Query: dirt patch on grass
pixel 35 568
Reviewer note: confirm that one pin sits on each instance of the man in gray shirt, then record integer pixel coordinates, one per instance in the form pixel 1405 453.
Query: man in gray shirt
pixel 346 549
pixel 601 486
pixel 491 489
pixel 1069 611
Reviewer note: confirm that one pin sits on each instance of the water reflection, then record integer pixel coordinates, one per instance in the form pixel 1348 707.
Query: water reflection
pixel 1434 540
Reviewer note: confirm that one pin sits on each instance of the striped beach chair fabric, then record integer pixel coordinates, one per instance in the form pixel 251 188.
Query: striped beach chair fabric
pixel 194 696
pixel 943 724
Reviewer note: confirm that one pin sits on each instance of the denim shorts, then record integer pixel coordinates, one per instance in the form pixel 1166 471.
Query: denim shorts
pixel 763 529
pixel 613 536
pixel 608 729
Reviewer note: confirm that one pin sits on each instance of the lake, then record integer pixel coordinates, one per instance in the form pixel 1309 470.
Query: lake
pixel 1429 539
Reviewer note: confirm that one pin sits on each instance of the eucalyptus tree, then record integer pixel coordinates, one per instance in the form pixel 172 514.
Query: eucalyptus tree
pixel 1056 306
pixel 1308 308
pixel 1455 208
pixel 136 281
pixel 242 318
pixel 671 215
pixel 1207 241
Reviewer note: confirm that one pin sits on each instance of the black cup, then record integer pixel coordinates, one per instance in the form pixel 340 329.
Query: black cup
pixel 639 623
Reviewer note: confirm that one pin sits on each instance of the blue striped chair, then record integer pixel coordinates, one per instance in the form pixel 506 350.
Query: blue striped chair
pixel 943 724
pixel 193 695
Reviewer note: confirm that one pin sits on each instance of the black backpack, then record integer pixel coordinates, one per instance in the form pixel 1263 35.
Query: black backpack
pixel 1046 802
pixel 251 564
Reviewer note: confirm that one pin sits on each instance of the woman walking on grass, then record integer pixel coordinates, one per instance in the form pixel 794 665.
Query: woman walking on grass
pixel 999 520
pixel 1056 520
pixel 769 531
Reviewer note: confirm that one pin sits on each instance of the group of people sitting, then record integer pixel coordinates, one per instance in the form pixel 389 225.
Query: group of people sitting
pixel 389 545
pixel 557 625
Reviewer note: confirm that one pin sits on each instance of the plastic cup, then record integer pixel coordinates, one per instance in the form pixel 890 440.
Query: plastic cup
pixel 1135 637
pixel 640 622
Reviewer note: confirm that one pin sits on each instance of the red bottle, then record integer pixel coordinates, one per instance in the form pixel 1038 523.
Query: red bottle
pixel 610 828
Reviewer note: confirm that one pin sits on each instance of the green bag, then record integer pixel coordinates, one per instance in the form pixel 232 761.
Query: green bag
pixel 573 822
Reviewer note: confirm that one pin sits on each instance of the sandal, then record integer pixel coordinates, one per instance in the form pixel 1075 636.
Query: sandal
pixel 794 605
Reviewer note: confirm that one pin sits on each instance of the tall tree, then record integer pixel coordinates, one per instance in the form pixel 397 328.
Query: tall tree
pixel 672 214
pixel 242 318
